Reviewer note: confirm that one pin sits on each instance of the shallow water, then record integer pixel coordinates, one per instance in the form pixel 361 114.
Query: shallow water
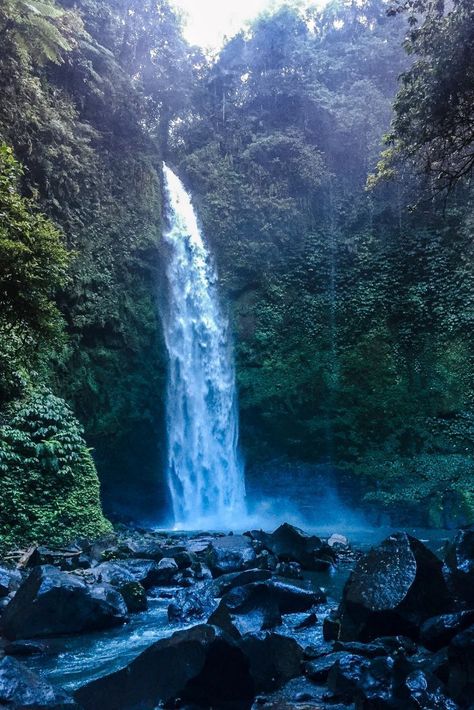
pixel 73 661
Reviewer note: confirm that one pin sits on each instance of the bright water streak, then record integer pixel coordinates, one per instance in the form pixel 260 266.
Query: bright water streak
pixel 205 475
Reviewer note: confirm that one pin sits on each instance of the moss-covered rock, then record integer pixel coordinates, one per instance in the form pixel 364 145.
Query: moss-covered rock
pixel 48 482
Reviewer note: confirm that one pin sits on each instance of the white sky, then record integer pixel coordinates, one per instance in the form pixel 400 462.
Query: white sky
pixel 209 21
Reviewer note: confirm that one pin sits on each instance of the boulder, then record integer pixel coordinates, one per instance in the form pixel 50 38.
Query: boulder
pixel 134 596
pixel 385 646
pixel 273 659
pixel 51 602
pixel 226 582
pixel 166 571
pixel 21 689
pixel 199 666
pixel 392 590
pixel 318 669
pixel 146 572
pixel 10 580
pixel 344 677
pixel 65 558
pixel 143 548
pixel 291 544
pixel 461 667
pixel 459 565
pixel 386 683
pixel 230 553
pixel 439 630
pixel 246 610
pixel 259 605
pixel 193 604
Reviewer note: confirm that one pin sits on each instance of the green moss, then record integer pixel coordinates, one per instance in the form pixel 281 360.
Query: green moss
pixel 48 482
pixel 438 488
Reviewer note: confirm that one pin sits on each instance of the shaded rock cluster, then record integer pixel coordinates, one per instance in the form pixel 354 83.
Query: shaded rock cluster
pixel 401 638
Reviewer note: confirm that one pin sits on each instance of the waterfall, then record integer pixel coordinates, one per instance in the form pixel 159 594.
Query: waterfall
pixel 205 474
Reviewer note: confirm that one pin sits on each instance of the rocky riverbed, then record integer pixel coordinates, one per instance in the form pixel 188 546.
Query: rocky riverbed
pixel 145 619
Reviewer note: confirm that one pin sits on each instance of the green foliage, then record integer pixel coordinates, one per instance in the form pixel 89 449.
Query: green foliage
pixel 437 489
pixel 37 28
pixel 48 482
pixel 33 263
pixel 432 127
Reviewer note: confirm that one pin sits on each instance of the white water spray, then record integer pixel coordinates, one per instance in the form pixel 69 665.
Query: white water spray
pixel 205 475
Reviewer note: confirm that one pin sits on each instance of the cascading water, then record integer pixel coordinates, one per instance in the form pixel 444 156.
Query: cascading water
pixel 205 475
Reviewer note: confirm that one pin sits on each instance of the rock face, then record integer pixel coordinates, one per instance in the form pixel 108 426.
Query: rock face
pixel 459 565
pixel 20 688
pixel 231 553
pixel 51 602
pixel 393 589
pixel 291 544
pixel 200 665
pixel 10 580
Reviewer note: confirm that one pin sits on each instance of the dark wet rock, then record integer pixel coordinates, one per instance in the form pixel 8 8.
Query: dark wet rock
pixel 65 558
pixel 299 694
pixel 386 683
pixel 200 666
pixel 290 598
pixel 461 667
pixel 51 602
pixel 134 595
pixel 290 570
pixel 146 572
pixel 201 572
pixel 318 650
pixel 10 580
pixel 421 690
pixel 224 584
pixel 25 648
pixel 308 622
pixel 246 612
pixel 185 559
pixel 434 663
pixel 193 604
pixel 379 647
pixel 166 571
pixel 331 626
pixel 318 669
pixel 273 659
pixel 230 553
pixel 259 605
pixel 393 589
pixel 21 689
pixel 345 675
pixel 439 630
pixel 459 565
pixel 143 548
pixel 291 544
pixel 266 560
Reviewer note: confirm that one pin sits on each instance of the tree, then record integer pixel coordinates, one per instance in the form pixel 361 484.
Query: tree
pixel 433 126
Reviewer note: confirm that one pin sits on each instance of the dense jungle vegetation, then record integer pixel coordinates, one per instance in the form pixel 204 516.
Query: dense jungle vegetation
pixel 329 153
